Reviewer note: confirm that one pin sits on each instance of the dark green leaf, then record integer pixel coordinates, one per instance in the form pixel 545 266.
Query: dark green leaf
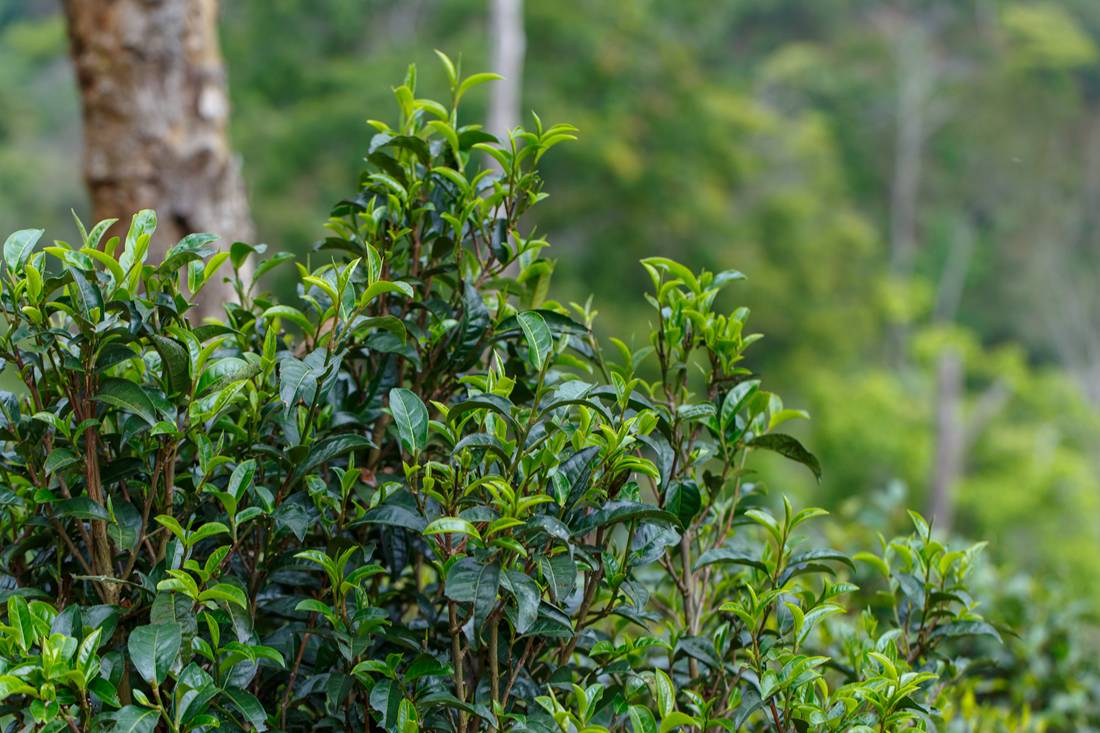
pixel 134 719
pixel 154 649
pixel 470 581
pixel 411 418
pixel 128 396
pixel 81 507
pixel 175 362
pixel 560 574
pixel 683 500
pixel 249 706
pixel 788 446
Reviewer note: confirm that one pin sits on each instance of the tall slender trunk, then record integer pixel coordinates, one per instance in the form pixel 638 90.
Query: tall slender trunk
pixel 914 88
pixel 950 436
pixel 156 110
pixel 509 42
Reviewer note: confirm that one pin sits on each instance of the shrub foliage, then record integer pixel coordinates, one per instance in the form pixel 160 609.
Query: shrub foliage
pixel 425 496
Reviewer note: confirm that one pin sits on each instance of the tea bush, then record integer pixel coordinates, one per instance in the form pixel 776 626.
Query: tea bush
pixel 425 496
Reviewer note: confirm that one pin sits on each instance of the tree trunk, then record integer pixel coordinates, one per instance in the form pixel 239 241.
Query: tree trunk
pixel 156 110
pixel 950 437
pixel 913 92
pixel 508 43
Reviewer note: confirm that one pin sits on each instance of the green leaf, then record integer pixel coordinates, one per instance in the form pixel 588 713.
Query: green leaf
pixel 117 275
pixel 765 520
pixel 641 719
pixel 540 342
pixel 154 649
pixel 470 581
pixel 59 458
pixel 297 381
pixel 732 555
pixel 407 721
pixel 411 418
pixel 675 269
pixel 966 628
pixel 394 515
pixel 527 595
pixel 473 80
pixel 666 693
pixel 134 719
pixel 21 623
pixel 788 446
pixel 225 592
pixel 128 396
pixel 88 295
pixel 291 314
pixel 676 719
pixel 210 529
pixel 192 247
pixel 448 66
pixel 86 654
pixel 81 507
pixel 452 525
pixel 381 287
pixel 175 362
pixel 240 481
pixel 328 449
pixel 18 247
pixel 97 232
pixel 684 501
pixel 620 512
pixel 560 574
pixel 11 685
pixel 105 691
pixel 136 248
pixel 875 560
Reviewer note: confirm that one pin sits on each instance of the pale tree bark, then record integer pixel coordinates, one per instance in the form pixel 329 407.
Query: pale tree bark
pixel 509 44
pixel 955 434
pixel 156 111
pixel 948 457
pixel 914 88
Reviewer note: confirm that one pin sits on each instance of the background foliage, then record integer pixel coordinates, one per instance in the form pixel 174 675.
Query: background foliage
pixel 757 134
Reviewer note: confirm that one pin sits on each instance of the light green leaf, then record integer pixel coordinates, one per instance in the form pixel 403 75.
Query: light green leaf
pixel 452 525
pixel 21 622
pixel 666 693
pixel 18 247
pixel 540 341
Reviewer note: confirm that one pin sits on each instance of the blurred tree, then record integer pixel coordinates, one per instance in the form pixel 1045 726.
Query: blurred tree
pixel 508 41
pixel 156 115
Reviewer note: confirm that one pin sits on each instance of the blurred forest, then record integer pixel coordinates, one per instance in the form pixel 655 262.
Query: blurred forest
pixel 911 186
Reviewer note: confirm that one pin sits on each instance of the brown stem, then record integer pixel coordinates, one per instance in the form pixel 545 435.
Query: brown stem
pixel 456 660
pixel 101 547
pixel 293 675
pixel 691 616
pixel 494 660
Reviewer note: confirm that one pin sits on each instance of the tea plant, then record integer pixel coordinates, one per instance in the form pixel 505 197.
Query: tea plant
pixel 424 496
